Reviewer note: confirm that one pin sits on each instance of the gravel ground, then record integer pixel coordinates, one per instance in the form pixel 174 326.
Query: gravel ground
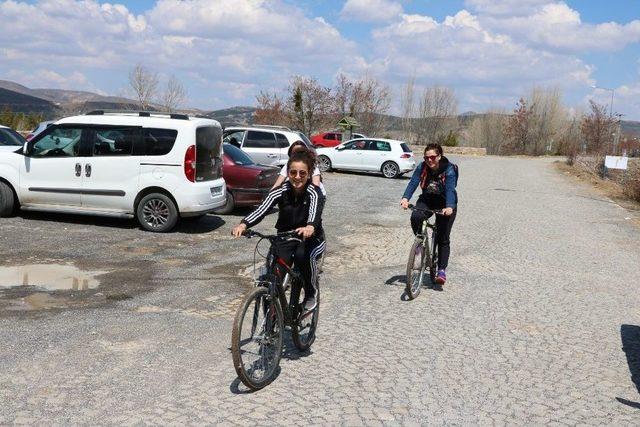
pixel 538 323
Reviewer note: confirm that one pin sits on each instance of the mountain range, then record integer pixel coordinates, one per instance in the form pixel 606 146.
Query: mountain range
pixel 54 103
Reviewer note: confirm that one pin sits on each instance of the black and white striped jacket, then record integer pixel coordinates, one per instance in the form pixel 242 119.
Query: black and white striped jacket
pixel 294 211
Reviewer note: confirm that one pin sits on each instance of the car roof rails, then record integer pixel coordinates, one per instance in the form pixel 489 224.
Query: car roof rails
pixel 139 113
pixel 271 127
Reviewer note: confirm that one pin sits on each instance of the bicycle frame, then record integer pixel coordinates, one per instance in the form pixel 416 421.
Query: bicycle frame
pixel 278 269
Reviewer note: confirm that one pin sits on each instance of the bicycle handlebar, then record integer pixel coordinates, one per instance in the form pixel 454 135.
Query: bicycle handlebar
pixel 287 235
pixel 414 208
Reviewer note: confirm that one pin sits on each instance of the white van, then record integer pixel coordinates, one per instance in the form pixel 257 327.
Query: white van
pixel 152 166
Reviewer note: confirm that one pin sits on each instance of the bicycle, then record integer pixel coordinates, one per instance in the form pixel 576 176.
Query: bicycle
pixel 257 340
pixel 427 252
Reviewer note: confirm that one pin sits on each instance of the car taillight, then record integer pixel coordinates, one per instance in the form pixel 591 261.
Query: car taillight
pixel 190 163
pixel 406 155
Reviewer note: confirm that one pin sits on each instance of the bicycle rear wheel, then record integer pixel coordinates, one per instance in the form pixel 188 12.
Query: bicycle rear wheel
pixel 257 338
pixel 303 331
pixel 415 269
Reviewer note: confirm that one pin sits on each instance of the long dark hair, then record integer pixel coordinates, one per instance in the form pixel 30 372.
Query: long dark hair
pixel 297 143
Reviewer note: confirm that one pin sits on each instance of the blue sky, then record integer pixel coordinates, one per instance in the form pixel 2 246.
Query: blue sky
pixel 491 52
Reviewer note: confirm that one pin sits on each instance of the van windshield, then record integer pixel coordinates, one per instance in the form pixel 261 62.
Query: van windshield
pixel 208 158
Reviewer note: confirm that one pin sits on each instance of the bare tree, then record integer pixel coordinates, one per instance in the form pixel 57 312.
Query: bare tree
pixel 271 110
pixel 370 103
pixel 487 131
pixel 173 95
pixel 408 109
pixel 309 104
pixel 548 118
pixel 437 114
pixel 517 130
pixel 144 84
pixel 570 141
pixel 342 95
pixel 597 127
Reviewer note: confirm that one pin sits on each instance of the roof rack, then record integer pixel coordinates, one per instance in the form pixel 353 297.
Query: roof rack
pixel 139 113
pixel 271 127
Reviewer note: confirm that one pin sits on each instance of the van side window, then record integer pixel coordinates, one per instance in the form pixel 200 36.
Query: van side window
pixel 60 142
pixel 283 142
pixel 256 139
pixel 156 142
pixel 114 141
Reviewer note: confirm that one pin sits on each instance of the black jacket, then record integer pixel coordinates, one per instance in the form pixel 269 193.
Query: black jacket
pixel 294 211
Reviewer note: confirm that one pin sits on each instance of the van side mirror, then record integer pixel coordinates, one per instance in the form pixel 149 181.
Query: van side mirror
pixel 25 148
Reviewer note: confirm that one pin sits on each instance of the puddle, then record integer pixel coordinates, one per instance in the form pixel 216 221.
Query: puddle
pixel 48 277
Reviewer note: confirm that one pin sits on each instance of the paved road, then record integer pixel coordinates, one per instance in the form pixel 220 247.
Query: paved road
pixel 539 322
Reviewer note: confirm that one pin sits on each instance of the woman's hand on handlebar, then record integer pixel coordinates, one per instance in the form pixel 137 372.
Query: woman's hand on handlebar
pixel 447 211
pixel 306 232
pixel 404 203
pixel 239 229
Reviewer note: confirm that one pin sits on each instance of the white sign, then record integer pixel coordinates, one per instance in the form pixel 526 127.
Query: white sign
pixel 615 162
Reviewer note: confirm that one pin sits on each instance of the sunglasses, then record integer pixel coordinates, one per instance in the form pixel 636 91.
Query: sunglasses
pixel 300 173
pixel 431 157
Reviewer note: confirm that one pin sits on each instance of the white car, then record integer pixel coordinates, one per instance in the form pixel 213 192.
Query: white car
pixel 155 167
pixel 389 156
pixel 10 140
pixel 266 145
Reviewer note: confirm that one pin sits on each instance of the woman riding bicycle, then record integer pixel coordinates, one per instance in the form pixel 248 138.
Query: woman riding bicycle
pixel 300 205
pixel 438 178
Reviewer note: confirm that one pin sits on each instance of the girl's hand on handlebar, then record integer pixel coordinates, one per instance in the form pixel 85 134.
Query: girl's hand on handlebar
pixel 306 232
pixel 239 229
pixel 447 211
pixel 404 203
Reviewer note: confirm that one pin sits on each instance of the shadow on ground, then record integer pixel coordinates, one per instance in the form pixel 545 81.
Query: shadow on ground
pixel 630 336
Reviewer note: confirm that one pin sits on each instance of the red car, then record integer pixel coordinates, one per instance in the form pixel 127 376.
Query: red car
pixel 247 182
pixel 330 139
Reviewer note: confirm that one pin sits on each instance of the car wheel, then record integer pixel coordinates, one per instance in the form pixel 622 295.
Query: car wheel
pixel 157 212
pixel 228 207
pixel 7 202
pixel 390 170
pixel 324 163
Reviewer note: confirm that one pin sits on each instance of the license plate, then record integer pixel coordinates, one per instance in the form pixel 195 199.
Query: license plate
pixel 216 191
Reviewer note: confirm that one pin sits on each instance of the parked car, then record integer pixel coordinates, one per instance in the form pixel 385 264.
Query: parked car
pixel 10 140
pixel 39 128
pixel 267 145
pixel 154 167
pixel 247 182
pixel 388 156
pixel 331 139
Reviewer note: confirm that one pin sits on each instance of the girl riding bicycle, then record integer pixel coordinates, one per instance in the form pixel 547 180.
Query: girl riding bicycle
pixel 300 205
pixel 438 178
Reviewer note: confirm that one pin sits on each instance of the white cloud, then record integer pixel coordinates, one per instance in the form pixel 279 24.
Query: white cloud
pixel 482 64
pixel 554 25
pixel 48 79
pixel 371 10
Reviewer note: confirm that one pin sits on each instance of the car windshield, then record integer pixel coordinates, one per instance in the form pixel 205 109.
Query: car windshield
pixel 10 137
pixel 238 156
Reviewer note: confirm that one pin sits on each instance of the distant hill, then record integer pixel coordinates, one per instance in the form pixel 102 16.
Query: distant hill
pixel 19 102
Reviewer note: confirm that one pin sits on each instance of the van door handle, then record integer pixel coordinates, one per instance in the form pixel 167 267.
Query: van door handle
pixel 78 169
pixel 87 169
pixel 271 156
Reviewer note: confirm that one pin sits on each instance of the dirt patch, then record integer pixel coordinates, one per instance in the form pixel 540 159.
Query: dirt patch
pixel 604 187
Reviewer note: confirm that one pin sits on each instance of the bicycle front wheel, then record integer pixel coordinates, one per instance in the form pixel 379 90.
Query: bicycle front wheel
pixel 257 338
pixel 415 269
pixel 303 331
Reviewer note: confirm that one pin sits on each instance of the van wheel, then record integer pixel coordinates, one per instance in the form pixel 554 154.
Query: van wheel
pixel 7 202
pixel 324 163
pixel 228 207
pixel 390 170
pixel 157 212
